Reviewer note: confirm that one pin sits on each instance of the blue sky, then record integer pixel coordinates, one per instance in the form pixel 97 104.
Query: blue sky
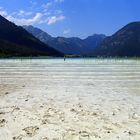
pixel 79 18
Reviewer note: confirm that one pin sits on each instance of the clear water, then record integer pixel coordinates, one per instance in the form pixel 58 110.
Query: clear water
pixel 114 74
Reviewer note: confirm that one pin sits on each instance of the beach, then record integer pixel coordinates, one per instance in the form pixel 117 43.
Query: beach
pixel 76 99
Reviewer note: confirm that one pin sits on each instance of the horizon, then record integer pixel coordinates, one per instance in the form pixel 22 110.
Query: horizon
pixel 65 18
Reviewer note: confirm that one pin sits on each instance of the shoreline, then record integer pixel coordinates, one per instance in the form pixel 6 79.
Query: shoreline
pixel 35 115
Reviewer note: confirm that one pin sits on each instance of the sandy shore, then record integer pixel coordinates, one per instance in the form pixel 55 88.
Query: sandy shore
pixel 70 101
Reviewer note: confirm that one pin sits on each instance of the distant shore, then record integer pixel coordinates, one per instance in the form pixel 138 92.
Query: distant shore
pixel 68 57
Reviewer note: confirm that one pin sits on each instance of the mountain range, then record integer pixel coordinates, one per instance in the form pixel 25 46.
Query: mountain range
pixel 73 45
pixel 125 42
pixel 16 41
pixel 31 41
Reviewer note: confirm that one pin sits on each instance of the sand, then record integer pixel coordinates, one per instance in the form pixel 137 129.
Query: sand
pixel 71 100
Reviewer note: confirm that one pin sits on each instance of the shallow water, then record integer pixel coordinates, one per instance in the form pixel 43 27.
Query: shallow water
pixel 108 73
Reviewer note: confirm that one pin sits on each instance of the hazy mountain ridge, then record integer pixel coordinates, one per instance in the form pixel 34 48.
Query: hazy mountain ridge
pixel 16 41
pixel 73 45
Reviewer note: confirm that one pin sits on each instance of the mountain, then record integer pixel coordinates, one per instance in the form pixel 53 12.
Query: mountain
pixel 125 42
pixel 71 45
pixel 38 33
pixel 68 45
pixel 16 41
pixel 93 41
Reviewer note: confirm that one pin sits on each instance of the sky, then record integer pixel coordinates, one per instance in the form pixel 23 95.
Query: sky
pixel 72 18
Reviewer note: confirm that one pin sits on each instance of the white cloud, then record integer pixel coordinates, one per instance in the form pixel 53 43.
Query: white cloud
pixel 59 1
pixel 47 5
pixel 3 12
pixel 24 13
pixel 48 13
pixel 66 31
pixel 33 4
pixel 54 19
pixel 26 21
pixel 21 12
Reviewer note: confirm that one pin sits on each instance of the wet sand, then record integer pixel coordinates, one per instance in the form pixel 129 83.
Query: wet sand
pixel 71 100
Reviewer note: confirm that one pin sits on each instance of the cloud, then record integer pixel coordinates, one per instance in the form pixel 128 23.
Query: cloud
pixel 33 4
pixel 46 6
pixel 66 31
pixel 24 13
pixel 59 1
pixel 3 12
pixel 48 13
pixel 54 19
pixel 26 21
